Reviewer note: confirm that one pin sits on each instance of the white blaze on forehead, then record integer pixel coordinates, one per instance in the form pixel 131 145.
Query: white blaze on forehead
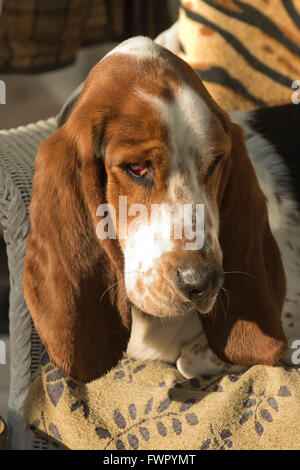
pixel 189 116
pixel 190 122
pixel 139 46
pixel 192 128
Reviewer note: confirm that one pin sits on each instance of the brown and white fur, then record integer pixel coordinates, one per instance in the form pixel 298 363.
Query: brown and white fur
pixel 153 339
pixel 143 109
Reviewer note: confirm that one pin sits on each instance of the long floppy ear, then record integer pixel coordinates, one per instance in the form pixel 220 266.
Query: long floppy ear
pixel 249 330
pixel 83 321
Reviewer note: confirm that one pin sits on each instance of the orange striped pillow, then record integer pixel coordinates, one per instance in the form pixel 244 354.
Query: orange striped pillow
pixel 246 52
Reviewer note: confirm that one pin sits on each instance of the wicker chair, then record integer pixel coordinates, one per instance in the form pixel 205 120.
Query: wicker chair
pixel 18 148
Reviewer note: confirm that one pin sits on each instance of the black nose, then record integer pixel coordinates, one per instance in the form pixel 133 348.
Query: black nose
pixel 193 282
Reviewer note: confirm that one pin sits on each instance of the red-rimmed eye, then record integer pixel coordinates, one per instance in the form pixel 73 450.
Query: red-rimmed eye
pixel 139 169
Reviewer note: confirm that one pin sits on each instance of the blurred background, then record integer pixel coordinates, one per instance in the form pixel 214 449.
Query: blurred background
pixel 36 87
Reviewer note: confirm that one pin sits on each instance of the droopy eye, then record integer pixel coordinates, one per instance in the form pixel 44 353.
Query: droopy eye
pixel 212 166
pixel 141 173
pixel 138 169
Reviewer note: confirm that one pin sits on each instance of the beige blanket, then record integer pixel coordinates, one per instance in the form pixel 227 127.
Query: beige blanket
pixel 149 405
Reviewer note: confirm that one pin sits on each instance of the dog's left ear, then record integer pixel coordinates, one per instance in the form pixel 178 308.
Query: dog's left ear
pixel 249 330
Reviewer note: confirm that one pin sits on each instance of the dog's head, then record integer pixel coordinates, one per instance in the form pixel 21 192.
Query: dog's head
pixel 145 194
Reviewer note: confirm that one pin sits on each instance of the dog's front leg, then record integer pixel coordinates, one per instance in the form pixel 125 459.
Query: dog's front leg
pixel 197 359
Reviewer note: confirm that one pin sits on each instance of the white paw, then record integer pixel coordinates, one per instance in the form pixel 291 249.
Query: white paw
pixel 197 359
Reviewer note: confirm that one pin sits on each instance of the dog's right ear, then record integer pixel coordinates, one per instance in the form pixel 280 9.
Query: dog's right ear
pixel 73 281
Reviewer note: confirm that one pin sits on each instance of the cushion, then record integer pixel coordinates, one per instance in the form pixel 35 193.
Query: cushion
pixel 18 148
pixel 149 405
pixel 246 52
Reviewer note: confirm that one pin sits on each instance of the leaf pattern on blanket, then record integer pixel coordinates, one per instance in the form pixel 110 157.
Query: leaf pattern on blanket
pixel 260 407
pixel 220 440
pixel 126 368
pixel 84 406
pixel 136 427
pixel 48 428
pixel 55 384
pixel 165 409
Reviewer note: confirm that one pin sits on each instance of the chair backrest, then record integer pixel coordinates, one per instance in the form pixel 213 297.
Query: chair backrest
pixel 18 148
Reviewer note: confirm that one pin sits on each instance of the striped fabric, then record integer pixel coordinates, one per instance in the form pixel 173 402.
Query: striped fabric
pixel 246 52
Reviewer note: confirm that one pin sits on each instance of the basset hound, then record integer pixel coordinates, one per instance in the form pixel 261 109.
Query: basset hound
pixel 144 126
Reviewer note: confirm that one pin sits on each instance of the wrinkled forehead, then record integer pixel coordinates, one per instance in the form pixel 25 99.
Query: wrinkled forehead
pixel 165 84
pixel 142 89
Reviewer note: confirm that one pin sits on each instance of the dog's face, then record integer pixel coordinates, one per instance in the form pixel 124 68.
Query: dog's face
pixel 144 129
pixel 164 152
